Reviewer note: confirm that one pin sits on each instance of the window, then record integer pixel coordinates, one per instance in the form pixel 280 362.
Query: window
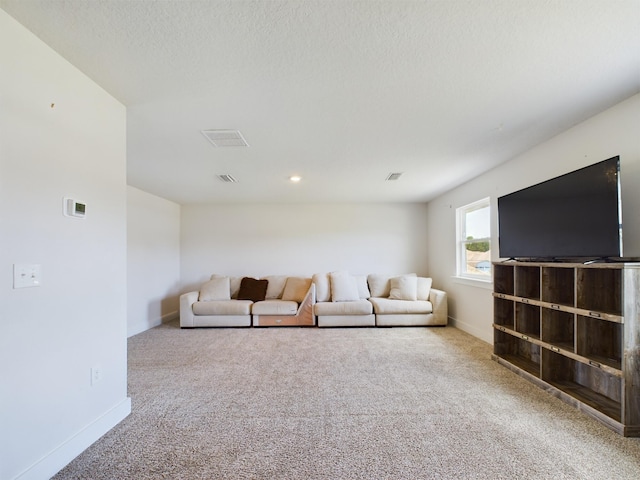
pixel 474 240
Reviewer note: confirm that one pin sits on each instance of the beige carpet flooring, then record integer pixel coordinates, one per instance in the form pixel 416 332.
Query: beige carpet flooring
pixel 347 403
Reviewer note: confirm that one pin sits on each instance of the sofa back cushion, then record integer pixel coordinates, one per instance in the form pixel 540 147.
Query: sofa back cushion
pixel 323 287
pixel 215 289
pixel 363 287
pixel 276 286
pixel 234 284
pixel 424 288
pixel 253 289
pixel 380 284
pixel 296 289
pixel 404 287
pixel 344 287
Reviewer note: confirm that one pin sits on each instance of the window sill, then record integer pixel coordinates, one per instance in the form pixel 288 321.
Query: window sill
pixel 474 282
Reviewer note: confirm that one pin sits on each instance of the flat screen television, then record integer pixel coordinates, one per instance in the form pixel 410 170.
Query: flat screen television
pixel 576 215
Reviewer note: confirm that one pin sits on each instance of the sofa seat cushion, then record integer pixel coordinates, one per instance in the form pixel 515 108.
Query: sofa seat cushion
pixel 382 306
pixel 357 307
pixel 275 307
pixel 223 307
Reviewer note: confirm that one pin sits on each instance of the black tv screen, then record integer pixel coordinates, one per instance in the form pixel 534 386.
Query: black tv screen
pixel 576 215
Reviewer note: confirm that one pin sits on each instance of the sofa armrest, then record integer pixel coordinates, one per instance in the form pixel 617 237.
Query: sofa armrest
pixel 438 299
pixel 309 299
pixel 186 308
pixel 305 314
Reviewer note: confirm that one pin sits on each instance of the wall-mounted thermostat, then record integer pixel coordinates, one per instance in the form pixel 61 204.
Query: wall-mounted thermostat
pixel 74 208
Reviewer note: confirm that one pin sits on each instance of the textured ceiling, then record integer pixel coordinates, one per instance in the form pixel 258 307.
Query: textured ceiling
pixel 341 92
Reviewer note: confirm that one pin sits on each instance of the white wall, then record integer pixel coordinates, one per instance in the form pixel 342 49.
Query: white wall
pixel 263 239
pixel 610 133
pixel 61 135
pixel 153 260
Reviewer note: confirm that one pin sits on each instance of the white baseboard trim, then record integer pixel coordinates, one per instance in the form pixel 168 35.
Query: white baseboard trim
pixel 57 459
pixel 471 330
pixel 139 328
pixel 167 317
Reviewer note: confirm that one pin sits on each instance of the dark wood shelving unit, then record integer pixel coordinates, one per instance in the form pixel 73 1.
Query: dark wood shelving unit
pixel 573 330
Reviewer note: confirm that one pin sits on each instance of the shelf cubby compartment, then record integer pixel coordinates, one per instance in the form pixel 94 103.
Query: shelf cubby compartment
pixel 600 340
pixel 524 355
pixel 503 312
pixel 527 282
pixel 528 319
pixel 600 290
pixel 503 279
pixel 558 328
pixel 587 384
pixel 558 286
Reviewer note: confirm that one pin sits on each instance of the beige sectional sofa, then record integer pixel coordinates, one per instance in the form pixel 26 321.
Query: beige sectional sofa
pixel 342 300
pixel 244 301
pixel 382 300
pixel 291 305
pixel 336 299
pixel 407 300
pixel 215 305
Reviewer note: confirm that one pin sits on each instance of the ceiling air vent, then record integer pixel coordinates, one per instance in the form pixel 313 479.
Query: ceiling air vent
pixel 393 176
pixel 225 138
pixel 227 178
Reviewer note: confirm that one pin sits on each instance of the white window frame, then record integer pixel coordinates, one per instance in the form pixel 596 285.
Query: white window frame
pixel 461 240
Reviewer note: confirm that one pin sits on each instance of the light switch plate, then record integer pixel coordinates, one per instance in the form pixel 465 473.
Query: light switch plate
pixel 26 275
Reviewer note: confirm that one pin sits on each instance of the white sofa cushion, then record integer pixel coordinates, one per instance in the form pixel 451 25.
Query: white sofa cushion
pixel 382 306
pixel 363 287
pixel 343 287
pixel 234 284
pixel 404 287
pixel 357 307
pixel 380 284
pixel 274 307
pixel 223 307
pixel 296 289
pixel 323 287
pixel 424 288
pixel 217 288
pixel 275 286
pixel 322 282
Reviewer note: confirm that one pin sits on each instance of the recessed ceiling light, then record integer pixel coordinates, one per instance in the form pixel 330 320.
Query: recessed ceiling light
pixel 295 178
pixel 225 138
